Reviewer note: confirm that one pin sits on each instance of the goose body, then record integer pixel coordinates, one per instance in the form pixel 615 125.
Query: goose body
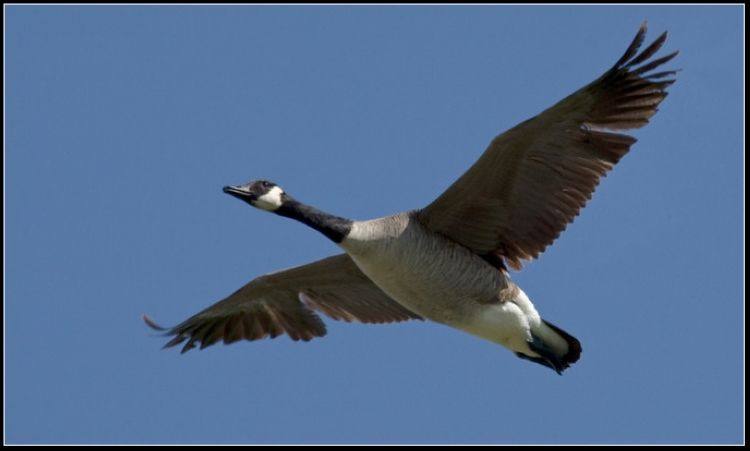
pixel 440 280
pixel 447 262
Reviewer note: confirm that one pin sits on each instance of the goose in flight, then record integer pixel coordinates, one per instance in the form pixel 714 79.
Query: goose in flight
pixel 447 262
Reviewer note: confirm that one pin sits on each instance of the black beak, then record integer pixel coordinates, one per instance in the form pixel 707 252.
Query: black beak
pixel 238 191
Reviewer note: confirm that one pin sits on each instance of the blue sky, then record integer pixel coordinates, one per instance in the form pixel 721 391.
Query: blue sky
pixel 123 123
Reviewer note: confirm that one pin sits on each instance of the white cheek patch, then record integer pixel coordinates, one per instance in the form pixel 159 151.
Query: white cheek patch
pixel 271 200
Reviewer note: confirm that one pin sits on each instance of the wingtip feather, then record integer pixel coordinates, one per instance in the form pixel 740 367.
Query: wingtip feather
pixel 635 44
pixel 152 324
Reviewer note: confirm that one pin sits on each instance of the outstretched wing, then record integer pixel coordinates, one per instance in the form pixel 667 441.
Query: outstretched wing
pixel 285 302
pixel 534 179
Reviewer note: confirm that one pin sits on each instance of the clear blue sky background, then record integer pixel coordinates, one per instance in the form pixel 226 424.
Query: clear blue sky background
pixel 123 124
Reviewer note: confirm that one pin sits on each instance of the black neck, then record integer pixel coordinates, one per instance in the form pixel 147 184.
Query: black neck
pixel 334 227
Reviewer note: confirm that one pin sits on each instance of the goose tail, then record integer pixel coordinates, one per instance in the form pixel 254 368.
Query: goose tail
pixel 556 348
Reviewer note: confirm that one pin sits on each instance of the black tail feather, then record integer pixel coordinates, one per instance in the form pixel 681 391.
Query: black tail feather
pixel 547 356
pixel 540 361
pixel 574 346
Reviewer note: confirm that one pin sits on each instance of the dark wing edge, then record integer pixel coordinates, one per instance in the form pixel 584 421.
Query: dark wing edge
pixel 285 302
pixel 253 323
pixel 626 95
pixel 625 98
pixel 586 125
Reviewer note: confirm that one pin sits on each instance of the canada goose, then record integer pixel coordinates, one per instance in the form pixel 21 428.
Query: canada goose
pixel 447 262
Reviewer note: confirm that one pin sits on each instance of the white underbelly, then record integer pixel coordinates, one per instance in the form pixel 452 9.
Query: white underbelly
pixel 503 323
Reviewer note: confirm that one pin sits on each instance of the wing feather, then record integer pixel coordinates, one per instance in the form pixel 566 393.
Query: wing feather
pixel 285 302
pixel 534 179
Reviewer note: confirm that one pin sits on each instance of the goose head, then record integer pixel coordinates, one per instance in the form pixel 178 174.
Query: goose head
pixel 261 194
